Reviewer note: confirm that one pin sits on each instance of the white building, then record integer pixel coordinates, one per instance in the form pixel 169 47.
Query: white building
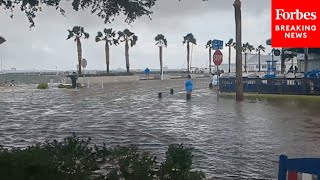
pixel 253 63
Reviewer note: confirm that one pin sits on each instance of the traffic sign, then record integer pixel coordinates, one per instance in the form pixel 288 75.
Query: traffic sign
pixel 84 63
pixel 217 44
pixel 217 57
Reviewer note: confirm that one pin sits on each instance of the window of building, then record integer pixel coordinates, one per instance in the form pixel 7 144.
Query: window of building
pixel 264 66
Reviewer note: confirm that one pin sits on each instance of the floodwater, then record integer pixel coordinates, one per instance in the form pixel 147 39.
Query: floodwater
pixel 232 140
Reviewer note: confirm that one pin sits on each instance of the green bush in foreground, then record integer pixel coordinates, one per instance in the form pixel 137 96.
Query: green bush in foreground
pixel 77 159
pixel 43 86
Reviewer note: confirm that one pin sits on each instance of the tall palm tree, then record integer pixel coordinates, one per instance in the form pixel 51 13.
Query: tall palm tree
pixel 161 41
pixel 108 36
pixel 128 37
pixel 239 80
pixel 209 45
pixel 246 48
pixel 189 39
pixel 2 40
pixel 77 33
pixel 230 44
pixel 259 49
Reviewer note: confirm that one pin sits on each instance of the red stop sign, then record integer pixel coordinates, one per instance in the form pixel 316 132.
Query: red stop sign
pixel 217 57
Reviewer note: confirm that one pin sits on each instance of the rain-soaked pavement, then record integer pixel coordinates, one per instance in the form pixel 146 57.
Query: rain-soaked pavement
pixel 232 140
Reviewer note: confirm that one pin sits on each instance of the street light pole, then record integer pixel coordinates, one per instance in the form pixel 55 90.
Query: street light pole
pixel 239 80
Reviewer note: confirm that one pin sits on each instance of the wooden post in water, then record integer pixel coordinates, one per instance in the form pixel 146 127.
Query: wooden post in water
pixel 171 91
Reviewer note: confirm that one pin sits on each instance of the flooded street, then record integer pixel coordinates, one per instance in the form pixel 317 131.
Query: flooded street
pixel 232 140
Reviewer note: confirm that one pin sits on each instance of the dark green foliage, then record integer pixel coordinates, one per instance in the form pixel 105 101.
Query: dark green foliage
pixel 106 9
pixel 178 165
pixel 159 38
pixel 76 159
pixel 43 86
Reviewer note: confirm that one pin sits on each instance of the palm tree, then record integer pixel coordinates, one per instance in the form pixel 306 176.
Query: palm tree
pixel 246 48
pixel 239 80
pixel 161 41
pixel 127 36
pixel 189 39
pixel 230 44
pixel 259 49
pixel 108 36
pixel 2 40
pixel 209 45
pixel 77 33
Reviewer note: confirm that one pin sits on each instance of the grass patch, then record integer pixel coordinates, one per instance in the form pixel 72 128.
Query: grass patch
pixel 68 86
pixel 43 86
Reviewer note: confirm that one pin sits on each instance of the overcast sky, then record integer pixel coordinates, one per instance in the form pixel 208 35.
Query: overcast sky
pixel 46 47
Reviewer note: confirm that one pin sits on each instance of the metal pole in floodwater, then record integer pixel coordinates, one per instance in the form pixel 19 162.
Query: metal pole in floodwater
pixel 171 91
pixel 218 75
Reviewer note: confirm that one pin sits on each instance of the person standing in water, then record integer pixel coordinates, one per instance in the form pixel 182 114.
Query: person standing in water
pixel 214 81
pixel 73 78
pixel 189 86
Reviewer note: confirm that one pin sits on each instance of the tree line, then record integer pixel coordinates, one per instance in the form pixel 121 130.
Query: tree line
pixel 110 37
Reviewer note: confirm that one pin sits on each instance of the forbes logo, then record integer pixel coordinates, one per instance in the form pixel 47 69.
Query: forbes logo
pixel 281 14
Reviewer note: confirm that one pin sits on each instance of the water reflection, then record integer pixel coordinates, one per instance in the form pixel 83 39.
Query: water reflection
pixel 232 140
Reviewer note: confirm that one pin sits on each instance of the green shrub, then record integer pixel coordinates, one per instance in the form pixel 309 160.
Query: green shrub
pixel 77 159
pixel 43 86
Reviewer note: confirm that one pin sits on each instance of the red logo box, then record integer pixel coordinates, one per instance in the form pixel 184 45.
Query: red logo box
pixel 295 23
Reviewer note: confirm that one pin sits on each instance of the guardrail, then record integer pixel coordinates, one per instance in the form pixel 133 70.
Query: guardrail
pixel 299 168
pixel 293 86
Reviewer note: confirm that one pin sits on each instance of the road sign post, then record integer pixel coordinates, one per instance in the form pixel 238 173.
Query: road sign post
pixel 217 60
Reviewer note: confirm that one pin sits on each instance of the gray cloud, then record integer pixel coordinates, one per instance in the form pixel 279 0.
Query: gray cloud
pixel 45 46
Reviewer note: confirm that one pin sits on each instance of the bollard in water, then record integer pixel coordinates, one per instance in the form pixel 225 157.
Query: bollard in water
pixel 188 96
pixel 159 95
pixel 171 91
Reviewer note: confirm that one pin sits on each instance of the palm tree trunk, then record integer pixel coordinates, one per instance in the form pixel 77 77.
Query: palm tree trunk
pixel 229 57
pixel 259 60
pixel 245 62
pixel 107 55
pixel 306 58
pixel 79 54
pixel 239 80
pixel 188 57
pixel 161 62
pixel 127 56
pixel 210 59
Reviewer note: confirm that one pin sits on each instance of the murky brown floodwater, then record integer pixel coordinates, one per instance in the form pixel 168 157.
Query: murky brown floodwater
pixel 232 140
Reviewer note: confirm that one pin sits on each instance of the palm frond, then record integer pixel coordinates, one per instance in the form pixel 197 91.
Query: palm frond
pixel 86 35
pixel 115 41
pixel 70 35
pixel 98 39
pixel 2 40
pixel 134 40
